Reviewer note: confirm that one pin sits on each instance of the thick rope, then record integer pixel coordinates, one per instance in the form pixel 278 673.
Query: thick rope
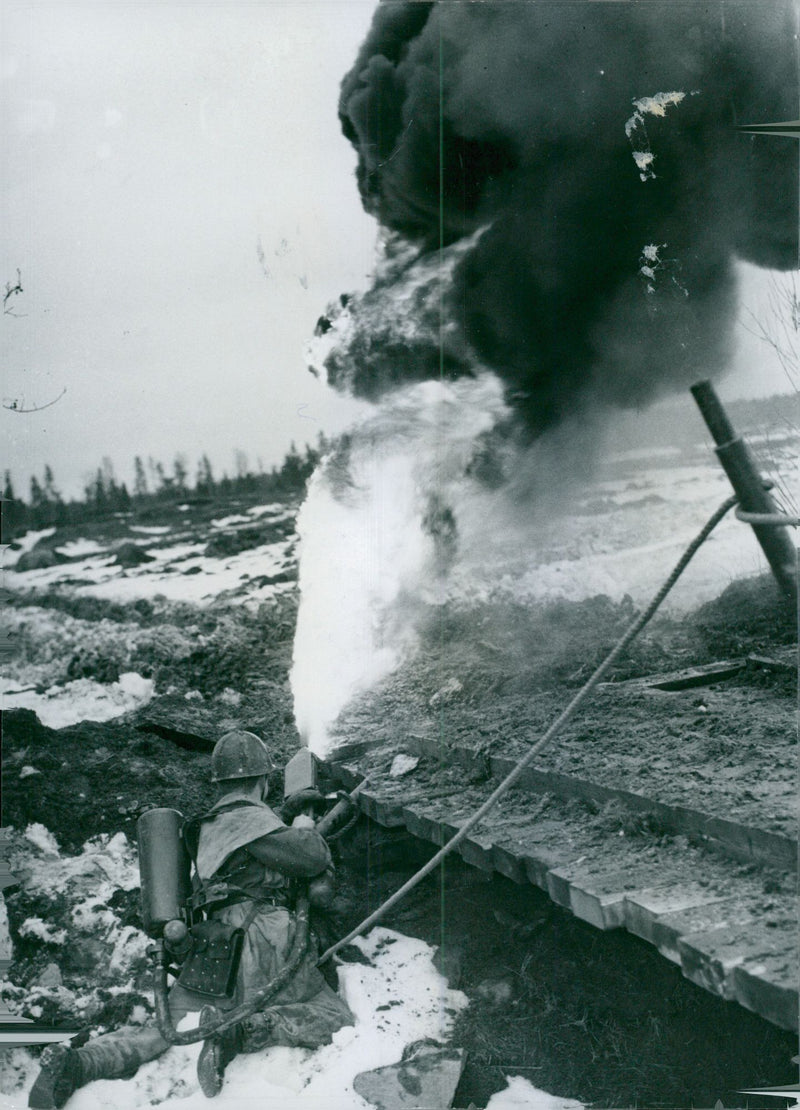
pixel 768 518
pixel 628 636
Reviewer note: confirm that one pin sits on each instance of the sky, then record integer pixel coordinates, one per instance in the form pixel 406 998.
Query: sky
pixel 181 206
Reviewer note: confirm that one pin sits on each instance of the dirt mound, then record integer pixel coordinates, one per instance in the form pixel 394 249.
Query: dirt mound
pixel 224 544
pixel 751 615
pixel 38 559
pixel 94 777
pixel 131 555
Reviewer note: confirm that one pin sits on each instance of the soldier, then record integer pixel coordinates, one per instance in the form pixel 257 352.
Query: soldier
pixel 244 845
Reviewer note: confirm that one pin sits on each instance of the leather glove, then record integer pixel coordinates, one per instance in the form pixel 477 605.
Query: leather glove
pixel 302 799
pixel 322 889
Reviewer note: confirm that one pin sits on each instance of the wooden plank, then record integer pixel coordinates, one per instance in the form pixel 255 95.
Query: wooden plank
pixel 784 666
pixel 742 842
pixel 684 679
pixel 768 986
pixel 723 940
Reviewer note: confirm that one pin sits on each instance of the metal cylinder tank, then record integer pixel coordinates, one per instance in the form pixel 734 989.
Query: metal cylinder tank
pixel 164 868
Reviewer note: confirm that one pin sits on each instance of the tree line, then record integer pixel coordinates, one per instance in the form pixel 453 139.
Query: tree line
pixel 153 485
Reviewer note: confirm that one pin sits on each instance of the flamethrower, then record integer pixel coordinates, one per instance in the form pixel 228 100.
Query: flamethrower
pixel 173 917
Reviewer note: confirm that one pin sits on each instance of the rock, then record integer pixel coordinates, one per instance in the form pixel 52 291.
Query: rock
pixel 131 555
pixel 495 992
pixel 449 962
pixel 86 954
pixel 427 1076
pixel 49 977
pixel 402 764
pixel 447 692
pixel 38 559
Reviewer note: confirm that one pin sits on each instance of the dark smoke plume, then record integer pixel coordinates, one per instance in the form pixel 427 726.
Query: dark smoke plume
pixel 613 210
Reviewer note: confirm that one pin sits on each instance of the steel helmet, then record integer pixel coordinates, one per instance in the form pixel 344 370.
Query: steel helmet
pixel 239 755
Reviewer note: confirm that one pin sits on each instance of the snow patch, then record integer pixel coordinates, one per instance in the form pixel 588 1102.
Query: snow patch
pixel 73 549
pixel 84 700
pixel 105 864
pixel 275 508
pixel 24 544
pixel 35 927
pixel 227 521
pixel 521 1094
pixel 42 839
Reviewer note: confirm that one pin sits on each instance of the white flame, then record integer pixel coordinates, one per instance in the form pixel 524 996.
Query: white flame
pixel 370 559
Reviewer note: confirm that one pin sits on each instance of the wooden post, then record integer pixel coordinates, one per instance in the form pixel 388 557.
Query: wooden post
pixel 748 485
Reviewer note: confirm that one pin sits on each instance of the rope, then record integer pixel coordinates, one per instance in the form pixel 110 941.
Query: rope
pixel 767 518
pixel 628 636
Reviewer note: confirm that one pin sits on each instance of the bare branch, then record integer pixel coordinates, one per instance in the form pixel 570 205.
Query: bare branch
pixel 781 328
pixel 12 291
pixel 18 404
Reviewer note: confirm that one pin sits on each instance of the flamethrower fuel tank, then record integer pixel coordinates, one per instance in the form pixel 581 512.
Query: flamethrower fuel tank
pixel 164 868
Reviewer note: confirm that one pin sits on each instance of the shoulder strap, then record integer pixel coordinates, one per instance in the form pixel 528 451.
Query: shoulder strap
pixel 190 830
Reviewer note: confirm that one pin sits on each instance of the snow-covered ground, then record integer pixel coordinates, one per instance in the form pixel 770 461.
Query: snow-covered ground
pixel 622 534
pixel 177 572
pixel 397 996
pixel 24 544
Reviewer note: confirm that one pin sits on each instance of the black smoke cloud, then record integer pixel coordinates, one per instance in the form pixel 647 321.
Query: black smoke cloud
pixel 598 278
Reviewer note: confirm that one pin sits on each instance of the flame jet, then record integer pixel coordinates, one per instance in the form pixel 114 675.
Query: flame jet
pixel 583 162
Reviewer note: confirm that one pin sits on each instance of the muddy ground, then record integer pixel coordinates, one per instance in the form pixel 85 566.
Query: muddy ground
pixel 594 1016
pixel 489 681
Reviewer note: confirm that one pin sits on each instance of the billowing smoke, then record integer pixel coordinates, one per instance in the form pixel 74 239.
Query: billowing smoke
pixel 594 145
pixel 562 195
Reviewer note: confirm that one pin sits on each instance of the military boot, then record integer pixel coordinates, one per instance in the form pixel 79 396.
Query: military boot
pixel 257 1031
pixel 216 1053
pixel 60 1076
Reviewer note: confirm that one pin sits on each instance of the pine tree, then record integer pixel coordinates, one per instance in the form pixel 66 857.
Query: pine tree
pixel 204 483
pixel 14 511
pixel 99 493
pixel 139 479
pixel 180 472
pixel 50 491
pixel 37 493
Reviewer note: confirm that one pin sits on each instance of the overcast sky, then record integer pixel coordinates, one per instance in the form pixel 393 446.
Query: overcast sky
pixel 151 154
pixel 181 205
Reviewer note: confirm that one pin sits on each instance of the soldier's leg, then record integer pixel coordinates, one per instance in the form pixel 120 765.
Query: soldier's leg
pixel 306 1024
pixel 116 1055
pixel 119 1055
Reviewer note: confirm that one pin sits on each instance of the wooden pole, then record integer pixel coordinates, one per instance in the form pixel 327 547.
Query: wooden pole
pixel 748 485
